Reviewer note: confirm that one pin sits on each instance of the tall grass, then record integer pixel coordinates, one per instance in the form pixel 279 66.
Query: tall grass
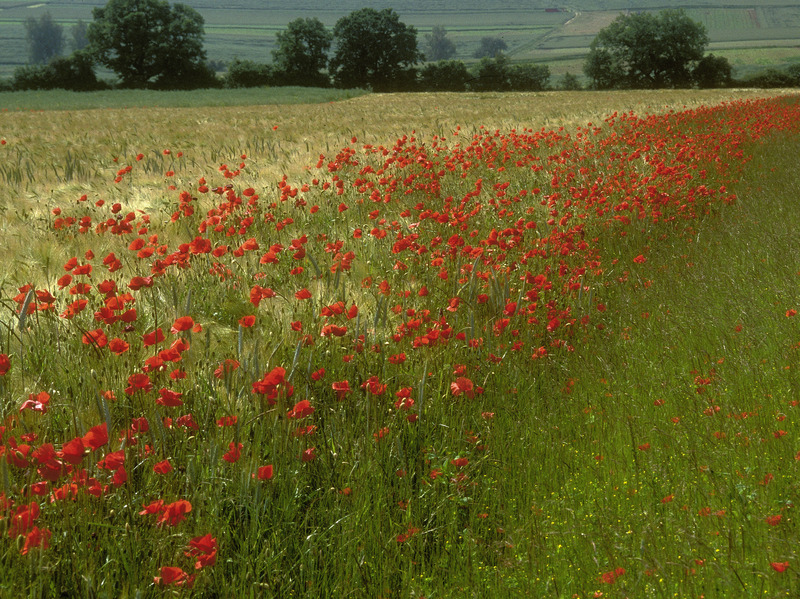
pixel 472 360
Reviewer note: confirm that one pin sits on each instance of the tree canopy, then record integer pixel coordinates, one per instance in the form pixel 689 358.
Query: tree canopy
pixel 375 50
pixel 490 47
pixel 302 53
pixel 45 38
pixel 643 50
pixel 438 46
pixel 148 41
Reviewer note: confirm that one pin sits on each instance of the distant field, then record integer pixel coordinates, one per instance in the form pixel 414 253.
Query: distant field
pixel 135 98
pixel 246 29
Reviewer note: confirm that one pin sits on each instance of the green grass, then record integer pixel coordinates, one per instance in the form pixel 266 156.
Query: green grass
pixel 65 100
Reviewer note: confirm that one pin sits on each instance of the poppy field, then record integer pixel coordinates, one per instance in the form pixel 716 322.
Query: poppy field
pixel 239 357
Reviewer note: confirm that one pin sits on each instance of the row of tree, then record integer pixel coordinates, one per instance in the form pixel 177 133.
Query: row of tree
pixel 150 43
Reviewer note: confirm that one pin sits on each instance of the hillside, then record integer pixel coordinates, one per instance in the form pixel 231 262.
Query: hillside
pixel 750 35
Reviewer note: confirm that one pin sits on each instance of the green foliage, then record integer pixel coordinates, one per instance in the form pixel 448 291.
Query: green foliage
pixel 444 76
pixel 75 73
pixel 497 74
pixel 772 78
pixel 438 46
pixel 646 51
pixel 492 74
pixel 490 47
pixel 529 77
pixel 713 72
pixel 45 38
pixel 78 32
pixel 246 73
pixel 148 41
pixel 374 50
pixel 570 82
pixel 302 53
pixel 188 75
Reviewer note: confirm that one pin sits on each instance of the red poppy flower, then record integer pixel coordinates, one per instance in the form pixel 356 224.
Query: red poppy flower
pixel 247 321
pixel 301 409
pixel 138 382
pixel 309 455
pixel 397 358
pixel 303 294
pixel 373 386
pixel 234 452
pixel 272 384
pixel 226 367
pixel 96 337
pixel 184 323
pixel 37 402
pixel 779 566
pixel 462 385
pixel 333 330
pixel 72 452
pixel 137 283
pixel 118 346
pixel 266 472
pixel 341 388
pixel 154 507
pixel 174 576
pixel 163 467
pixel 96 437
pixel 204 549
pixel 5 364
pixel 175 513
pixel 227 421
pixel 156 336
pixel 112 461
pixel 36 537
pixel 169 398
pixel 611 577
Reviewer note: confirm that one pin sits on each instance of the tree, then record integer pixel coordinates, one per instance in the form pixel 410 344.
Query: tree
pixel 302 53
pixel 771 78
pixel 643 50
pixel 45 38
pixel 570 82
pixel 493 74
pixel 374 50
pixel 438 46
pixel 75 73
pixel 529 77
pixel 246 73
pixel 79 39
pixel 444 76
pixel 490 47
pixel 794 72
pixel 713 71
pixel 147 41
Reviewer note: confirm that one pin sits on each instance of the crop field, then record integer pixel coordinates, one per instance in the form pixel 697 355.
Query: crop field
pixel 416 345
pixel 247 29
